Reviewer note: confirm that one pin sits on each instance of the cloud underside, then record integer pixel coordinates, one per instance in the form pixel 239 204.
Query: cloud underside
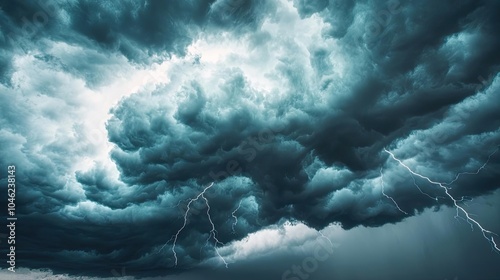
pixel 116 116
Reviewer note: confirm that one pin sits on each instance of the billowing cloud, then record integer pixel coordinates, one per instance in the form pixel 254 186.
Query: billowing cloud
pixel 117 115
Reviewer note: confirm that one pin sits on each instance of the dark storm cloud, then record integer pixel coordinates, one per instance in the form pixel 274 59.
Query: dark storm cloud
pixel 412 84
pixel 426 88
pixel 138 28
pixel 144 31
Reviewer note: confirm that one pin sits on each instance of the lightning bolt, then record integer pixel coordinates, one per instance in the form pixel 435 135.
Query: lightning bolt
pixel 234 217
pixel 422 192
pixel 168 241
pixel 488 235
pixel 213 231
pixel 387 196
pixel 477 171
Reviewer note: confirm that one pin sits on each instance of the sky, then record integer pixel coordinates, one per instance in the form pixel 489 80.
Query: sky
pixel 251 139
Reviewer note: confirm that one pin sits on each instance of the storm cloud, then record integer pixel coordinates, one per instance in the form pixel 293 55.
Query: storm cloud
pixel 116 115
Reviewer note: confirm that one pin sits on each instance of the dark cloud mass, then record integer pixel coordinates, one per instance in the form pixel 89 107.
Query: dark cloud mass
pixel 116 114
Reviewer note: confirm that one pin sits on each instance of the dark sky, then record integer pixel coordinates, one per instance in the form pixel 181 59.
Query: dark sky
pixel 167 138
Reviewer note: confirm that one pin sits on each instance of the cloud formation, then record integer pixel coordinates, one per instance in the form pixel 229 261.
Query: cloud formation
pixel 117 115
